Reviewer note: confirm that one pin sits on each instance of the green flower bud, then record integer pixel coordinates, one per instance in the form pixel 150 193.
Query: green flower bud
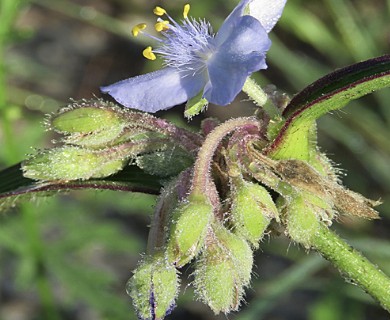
pixel 240 252
pixel 302 221
pixel 189 228
pixel 215 284
pixel 72 163
pixel 223 271
pixel 154 288
pixel 94 125
pixel 252 211
pixel 86 119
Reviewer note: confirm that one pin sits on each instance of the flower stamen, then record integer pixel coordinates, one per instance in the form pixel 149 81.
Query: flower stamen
pixel 161 25
pixel 186 10
pixel 148 53
pixel 158 11
pixel 138 28
pixel 184 46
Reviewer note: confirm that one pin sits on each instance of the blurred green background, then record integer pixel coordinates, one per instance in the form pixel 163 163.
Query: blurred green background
pixel 69 256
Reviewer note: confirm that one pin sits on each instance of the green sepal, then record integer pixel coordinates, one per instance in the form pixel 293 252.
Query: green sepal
pixel 223 271
pixel 189 227
pixel 96 140
pixel 215 283
pixel 240 252
pixel 252 211
pixel 301 220
pixel 195 105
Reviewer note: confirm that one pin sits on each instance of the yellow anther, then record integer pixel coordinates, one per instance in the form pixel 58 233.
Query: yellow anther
pixel 136 30
pixel 158 11
pixel 161 25
pixel 148 54
pixel 186 10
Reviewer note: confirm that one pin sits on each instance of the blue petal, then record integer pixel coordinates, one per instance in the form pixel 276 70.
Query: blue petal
pixel 159 90
pixel 267 12
pixel 241 54
pixel 231 21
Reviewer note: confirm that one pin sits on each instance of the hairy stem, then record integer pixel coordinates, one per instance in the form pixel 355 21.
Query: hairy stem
pixel 353 265
pixel 167 202
pixel 201 179
pixel 254 91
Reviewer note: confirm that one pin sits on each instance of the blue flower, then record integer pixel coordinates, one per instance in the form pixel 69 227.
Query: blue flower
pixel 196 59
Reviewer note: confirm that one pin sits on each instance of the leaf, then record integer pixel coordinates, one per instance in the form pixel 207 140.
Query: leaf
pixel 329 93
pixel 14 185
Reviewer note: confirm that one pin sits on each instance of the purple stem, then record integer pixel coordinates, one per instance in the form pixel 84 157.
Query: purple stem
pixel 202 181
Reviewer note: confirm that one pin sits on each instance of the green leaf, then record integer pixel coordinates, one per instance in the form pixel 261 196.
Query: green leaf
pixel 329 93
pixel 13 185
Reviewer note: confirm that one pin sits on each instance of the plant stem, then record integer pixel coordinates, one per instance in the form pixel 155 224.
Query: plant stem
pixel 162 213
pixel 353 265
pixel 201 178
pixel 254 91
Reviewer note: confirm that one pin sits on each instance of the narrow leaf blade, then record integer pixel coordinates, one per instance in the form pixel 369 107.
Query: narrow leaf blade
pixel 329 93
pixel 13 185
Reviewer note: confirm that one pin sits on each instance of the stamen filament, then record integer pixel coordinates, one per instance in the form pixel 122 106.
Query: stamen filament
pixel 152 37
pixel 158 11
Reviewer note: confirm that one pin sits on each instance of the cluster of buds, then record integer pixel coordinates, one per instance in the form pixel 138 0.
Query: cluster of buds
pixel 101 138
pixel 224 204
pixel 224 191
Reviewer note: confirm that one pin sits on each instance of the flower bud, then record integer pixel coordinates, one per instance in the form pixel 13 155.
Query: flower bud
pixel 72 163
pixel 153 288
pixel 90 125
pixel 189 227
pixel 215 282
pixel 87 118
pixel 302 221
pixel 239 250
pixel 223 271
pixel 252 211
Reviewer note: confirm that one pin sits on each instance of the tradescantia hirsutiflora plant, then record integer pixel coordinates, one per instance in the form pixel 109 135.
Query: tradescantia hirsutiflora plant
pixel 221 189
